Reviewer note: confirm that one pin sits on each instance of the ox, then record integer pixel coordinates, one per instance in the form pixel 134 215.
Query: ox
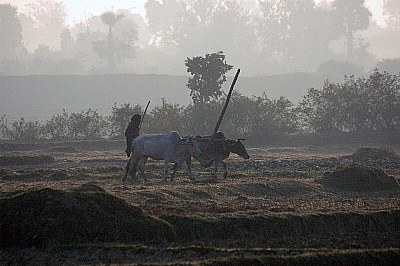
pixel 216 151
pixel 168 147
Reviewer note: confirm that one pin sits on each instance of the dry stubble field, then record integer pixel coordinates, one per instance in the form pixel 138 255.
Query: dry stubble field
pixel 273 209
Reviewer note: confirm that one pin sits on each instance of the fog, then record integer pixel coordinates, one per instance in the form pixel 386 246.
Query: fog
pixel 268 39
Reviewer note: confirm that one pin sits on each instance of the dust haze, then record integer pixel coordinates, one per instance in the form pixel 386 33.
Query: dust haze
pixel 283 48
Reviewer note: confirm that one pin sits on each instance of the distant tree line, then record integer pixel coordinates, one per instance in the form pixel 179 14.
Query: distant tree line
pixel 268 37
pixel 355 105
pixel 246 116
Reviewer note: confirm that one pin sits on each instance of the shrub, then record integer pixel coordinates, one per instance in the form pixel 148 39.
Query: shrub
pixel 86 125
pixel 22 130
pixel 119 118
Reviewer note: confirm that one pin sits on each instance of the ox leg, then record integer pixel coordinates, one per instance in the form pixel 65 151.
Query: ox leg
pixel 188 170
pixel 130 169
pixel 225 171
pixel 214 172
pixel 133 168
pixel 176 166
pixel 175 169
pixel 142 166
pixel 189 163
pixel 126 171
pixel 132 165
pixel 165 170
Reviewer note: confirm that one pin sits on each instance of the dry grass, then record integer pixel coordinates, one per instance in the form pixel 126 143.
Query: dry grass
pixel 25 160
pixel 273 200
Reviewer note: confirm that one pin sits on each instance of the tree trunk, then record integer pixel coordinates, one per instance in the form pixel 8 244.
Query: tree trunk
pixel 111 62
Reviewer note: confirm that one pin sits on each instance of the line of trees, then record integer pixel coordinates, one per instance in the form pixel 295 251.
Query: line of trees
pixel 250 116
pixel 268 37
pixel 356 105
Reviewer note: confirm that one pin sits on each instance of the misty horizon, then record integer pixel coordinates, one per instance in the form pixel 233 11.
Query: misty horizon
pixel 283 47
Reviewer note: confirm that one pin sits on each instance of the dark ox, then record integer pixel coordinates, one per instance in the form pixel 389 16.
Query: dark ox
pixel 216 151
pixel 168 147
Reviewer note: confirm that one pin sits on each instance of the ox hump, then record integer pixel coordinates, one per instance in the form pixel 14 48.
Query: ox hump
pixel 175 137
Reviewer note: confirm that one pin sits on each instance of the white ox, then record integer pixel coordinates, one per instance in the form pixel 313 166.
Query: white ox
pixel 168 147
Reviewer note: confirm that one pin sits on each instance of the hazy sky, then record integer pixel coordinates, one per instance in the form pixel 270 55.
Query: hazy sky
pixel 77 8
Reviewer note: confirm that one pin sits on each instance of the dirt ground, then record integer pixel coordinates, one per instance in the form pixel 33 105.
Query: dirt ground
pixel 272 209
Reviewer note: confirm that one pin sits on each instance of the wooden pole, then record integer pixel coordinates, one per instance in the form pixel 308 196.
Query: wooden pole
pixel 225 106
pixel 141 120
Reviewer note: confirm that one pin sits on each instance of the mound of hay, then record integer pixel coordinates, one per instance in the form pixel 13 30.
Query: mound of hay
pixel 26 160
pixel 53 217
pixel 360 178
pixel 365 154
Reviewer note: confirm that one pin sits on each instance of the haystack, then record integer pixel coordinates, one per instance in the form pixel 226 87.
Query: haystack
pixel 88 215
pixel 366 154
pixel 360 178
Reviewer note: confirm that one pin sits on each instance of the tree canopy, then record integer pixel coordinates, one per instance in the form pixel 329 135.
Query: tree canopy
pixel 208 75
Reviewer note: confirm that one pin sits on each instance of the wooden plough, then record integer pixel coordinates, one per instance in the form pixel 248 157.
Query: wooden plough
pixel 144 113
pixel 225 106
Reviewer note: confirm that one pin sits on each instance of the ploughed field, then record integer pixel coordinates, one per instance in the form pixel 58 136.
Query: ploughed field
pixel 68 206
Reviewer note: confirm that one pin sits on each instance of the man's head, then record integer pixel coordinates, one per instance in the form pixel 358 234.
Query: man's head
pixel 219 135
pixel 136 118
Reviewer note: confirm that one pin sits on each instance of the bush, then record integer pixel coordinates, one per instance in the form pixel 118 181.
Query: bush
pixel 57 127
pixel 362 104
pixel 21 130
pixel 201 119
pixel 164 118
pixel 119 118
pixel 3 127
pixel 86 125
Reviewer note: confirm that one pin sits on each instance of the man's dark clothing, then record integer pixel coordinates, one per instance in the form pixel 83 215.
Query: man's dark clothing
pixel 131 133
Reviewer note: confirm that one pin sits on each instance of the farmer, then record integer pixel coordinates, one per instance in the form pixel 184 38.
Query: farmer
pixel 132 132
